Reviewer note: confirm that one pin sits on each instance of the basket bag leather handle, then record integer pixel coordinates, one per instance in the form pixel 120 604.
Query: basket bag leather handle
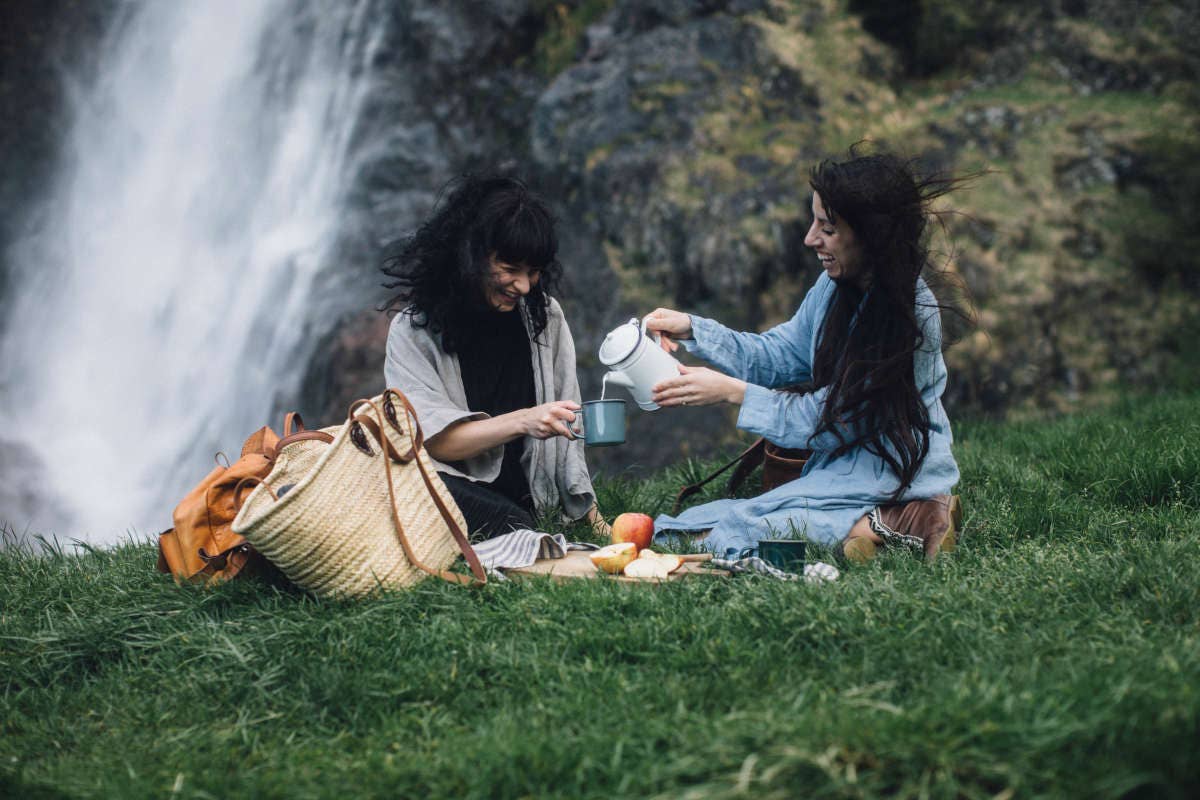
pixel 418 439
pixel 478 574
pixel 291 420
pixel 373 426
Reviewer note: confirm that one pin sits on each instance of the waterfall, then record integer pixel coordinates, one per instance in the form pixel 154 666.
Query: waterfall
pixel 167 295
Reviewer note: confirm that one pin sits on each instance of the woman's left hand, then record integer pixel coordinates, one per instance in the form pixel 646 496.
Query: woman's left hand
pixel 698 386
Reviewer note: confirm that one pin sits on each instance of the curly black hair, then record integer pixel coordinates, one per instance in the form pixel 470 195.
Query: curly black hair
pixel 441 270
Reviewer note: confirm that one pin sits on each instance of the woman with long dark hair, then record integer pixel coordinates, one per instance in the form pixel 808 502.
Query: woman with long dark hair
pixel 867 341
pixel 486 358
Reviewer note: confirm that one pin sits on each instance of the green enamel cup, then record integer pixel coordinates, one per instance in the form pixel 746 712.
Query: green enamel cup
pixel 603 423
pixel 784 554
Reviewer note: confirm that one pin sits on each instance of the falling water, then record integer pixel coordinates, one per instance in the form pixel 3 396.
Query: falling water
pixel 164 299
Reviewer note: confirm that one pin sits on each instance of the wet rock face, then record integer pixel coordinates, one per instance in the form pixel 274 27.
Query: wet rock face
pixel 614 137
pixel 445 98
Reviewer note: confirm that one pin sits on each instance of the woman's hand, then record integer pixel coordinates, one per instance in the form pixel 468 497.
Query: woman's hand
pixel 670 325
pixel 550 419
pixel 463 440
pixel 699 386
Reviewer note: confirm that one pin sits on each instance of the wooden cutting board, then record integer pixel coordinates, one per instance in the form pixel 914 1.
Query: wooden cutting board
pixel 576 565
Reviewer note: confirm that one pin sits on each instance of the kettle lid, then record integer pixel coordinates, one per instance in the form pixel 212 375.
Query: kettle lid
pixel 620 343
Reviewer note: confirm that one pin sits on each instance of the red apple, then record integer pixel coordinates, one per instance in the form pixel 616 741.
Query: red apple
pixel 636 528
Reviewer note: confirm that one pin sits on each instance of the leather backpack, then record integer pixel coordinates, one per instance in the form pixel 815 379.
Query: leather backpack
pixel 202 546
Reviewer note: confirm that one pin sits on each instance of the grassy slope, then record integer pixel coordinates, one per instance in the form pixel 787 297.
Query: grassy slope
pixel 1056 654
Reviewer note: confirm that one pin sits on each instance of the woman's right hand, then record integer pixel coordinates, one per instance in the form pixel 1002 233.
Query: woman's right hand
pixel 550 419
pixel 671 325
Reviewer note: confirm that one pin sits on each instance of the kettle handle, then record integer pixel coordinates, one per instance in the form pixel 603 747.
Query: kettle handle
pixel 654 337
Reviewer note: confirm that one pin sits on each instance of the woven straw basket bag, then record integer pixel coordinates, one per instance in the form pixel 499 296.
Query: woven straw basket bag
pixel 364 512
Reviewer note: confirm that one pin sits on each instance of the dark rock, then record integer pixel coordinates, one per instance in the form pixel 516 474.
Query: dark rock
pixel 347 365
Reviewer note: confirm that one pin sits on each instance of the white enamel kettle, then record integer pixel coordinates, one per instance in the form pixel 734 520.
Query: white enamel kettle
pixel 636 361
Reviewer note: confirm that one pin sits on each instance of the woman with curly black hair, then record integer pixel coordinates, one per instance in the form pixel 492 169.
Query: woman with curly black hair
pixel 867 341
pixel 486 358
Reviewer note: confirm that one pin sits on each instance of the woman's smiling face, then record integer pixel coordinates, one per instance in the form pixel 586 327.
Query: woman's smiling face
pixel 508 283
pixel 835 245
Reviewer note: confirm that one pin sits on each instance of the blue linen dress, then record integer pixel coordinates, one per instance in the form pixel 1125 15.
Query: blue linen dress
pixel 831 493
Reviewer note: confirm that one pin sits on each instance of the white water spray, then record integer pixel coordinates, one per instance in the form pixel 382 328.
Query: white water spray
pixel 164 301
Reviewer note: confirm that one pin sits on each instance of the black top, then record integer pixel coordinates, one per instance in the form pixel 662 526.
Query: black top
pixel 497 373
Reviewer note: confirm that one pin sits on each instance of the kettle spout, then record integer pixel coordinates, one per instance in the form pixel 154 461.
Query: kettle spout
pixel 619 378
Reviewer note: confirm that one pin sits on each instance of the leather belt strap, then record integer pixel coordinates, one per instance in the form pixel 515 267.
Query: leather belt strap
pixel 747 460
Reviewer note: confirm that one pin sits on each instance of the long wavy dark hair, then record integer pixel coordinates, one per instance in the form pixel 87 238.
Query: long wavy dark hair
pixel 867 343
pixel 441 271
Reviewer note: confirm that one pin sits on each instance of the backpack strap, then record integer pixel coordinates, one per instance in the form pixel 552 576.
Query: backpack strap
pixel 746 461
pixel 301 435
pixel 245 483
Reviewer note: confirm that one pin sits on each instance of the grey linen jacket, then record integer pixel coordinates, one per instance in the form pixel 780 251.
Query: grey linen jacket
pixel 432 381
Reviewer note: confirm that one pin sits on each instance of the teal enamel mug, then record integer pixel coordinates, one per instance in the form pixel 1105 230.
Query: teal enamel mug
pixel 603 423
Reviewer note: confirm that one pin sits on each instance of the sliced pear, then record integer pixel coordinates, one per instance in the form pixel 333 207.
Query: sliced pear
pixel 672 561
pixel 654 568
pixel 613 558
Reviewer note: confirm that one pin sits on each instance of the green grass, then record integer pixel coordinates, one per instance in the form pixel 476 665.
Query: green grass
pixel 1056 654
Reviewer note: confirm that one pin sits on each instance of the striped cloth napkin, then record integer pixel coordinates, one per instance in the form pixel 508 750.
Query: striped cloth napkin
pixel 521 548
